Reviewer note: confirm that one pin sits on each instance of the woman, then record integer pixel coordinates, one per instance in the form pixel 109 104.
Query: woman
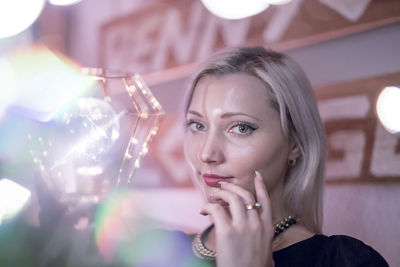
pixel 255 143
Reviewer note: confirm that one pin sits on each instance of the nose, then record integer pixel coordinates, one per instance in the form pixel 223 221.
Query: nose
pixel 211 151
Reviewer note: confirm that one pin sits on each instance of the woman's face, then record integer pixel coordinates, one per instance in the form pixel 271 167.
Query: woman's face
pixel 231 132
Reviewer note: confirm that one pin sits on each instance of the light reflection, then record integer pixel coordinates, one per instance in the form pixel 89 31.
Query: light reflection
pixel 13 197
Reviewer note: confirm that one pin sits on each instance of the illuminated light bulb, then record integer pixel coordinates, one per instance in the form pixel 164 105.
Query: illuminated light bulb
pixel 235 9
pixel 131 89
pixel 13 198
pixel 137 163
pixel 18 15
pixel 388 108
pixel 144 115
pixel 154 131
pixel 64 2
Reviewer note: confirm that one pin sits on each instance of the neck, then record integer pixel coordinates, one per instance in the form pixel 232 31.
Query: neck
pixel 278 207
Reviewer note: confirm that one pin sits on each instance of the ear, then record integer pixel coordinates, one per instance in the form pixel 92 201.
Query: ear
pixel 294 151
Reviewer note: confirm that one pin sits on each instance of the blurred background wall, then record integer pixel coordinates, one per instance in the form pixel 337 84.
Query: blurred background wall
pixel 349 53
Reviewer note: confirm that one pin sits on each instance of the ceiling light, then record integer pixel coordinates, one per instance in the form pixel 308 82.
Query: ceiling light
pixel 388 108
pixel 235 9
pixel 18 15
pixel 64 2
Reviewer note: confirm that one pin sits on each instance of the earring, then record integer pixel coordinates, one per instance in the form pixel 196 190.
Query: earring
pixel 292 162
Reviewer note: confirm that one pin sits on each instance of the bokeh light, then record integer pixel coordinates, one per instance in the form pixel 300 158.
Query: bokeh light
pixel 235 9
pixel 17 15
pixel 13 197
pixel 388 108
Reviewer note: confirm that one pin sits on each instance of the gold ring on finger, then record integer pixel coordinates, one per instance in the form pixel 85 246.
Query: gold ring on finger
pixel 253 206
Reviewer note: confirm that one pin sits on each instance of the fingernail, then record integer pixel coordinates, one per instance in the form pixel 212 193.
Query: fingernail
pixel 258 175
pixel 222 182
pixel 203 213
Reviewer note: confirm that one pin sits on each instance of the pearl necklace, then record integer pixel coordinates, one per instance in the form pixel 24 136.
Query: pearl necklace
pixel 201 251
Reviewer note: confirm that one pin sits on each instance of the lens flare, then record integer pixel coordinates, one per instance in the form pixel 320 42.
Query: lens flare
pixel 13 197
pixel 125 235
pixel 37 83
pixel 110 225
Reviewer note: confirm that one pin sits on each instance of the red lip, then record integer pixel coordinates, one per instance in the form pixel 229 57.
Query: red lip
pixel 213 179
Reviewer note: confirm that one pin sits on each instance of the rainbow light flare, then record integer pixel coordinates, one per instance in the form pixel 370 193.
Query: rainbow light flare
pixel 109 224
pixel 130 238
pixel 37 83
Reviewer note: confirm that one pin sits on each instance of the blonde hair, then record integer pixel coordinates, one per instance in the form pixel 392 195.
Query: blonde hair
pixel 292 96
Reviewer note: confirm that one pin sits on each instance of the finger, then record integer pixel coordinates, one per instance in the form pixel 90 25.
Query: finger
pixel 263 198
pixel 217 213
pixel 235 204
pixel 246 196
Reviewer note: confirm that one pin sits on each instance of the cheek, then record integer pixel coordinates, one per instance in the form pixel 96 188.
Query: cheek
pixel 269 161
pixel 190 148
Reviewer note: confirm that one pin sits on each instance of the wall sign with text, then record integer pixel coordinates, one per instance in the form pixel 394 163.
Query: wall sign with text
pixel 173 33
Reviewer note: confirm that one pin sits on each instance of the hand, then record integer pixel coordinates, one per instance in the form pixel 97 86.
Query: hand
pixel 243 237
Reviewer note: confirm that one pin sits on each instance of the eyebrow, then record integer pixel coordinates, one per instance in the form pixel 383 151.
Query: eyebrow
pixel 227 114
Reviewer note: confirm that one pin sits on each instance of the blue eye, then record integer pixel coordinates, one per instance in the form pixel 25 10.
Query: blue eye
pixel 242 129
pixel 195 126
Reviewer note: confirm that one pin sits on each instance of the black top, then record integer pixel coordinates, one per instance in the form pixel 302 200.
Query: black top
pixel 321 250
pixel 174 249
